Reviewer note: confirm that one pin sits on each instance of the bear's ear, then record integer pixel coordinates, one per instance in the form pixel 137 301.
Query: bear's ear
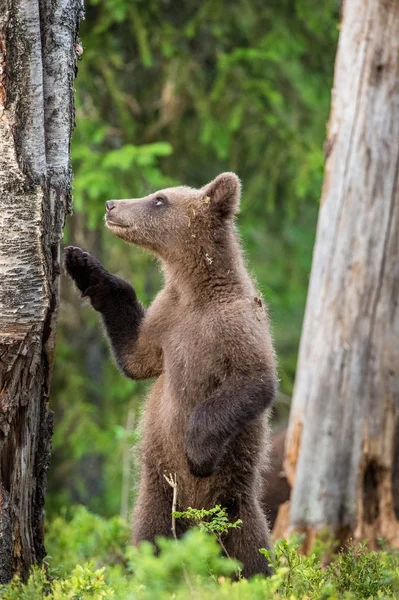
pixel 224 194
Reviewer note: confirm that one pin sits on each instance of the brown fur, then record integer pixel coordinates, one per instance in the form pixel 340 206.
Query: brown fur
pixel 206 338
pixel 275 489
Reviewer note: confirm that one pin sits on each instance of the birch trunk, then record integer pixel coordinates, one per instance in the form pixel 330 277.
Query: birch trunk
pixel 37 69
pixel 345 412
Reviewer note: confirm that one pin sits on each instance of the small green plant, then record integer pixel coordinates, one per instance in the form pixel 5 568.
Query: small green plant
pixel 79 536
pixel 214 521
pixel 83 582
pixel 365 573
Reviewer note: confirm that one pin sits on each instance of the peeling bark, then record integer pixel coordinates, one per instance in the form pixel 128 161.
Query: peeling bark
pixel 37 69
pixel 345 412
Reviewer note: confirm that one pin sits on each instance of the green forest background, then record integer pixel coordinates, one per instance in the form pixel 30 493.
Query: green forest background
pixel 173 93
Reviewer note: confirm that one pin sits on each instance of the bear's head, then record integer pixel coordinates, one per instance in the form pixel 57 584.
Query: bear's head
pixel 171 221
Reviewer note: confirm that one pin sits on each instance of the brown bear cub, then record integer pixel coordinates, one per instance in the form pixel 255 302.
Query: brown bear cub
pixel 206 338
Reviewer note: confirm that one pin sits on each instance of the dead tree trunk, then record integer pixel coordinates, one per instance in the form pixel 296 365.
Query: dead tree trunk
pixel 345 411
pixel 37 69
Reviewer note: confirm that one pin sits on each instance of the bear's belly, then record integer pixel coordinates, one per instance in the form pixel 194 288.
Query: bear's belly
pixel 165 422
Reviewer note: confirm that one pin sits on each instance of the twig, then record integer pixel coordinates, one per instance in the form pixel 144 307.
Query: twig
pixel 219 538
pixel 172 480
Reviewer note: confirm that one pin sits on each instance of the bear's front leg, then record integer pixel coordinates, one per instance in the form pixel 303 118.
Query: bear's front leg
pixel 211 425
pixel 120 309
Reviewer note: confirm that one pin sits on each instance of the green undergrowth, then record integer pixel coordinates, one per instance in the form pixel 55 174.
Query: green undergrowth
pixel 90 557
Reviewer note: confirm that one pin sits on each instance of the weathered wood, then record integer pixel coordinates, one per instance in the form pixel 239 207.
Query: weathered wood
pixel 37 69
pixel 345 411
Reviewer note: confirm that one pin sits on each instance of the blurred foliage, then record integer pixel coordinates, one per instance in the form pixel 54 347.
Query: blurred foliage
pixel 89 557
pixel 170 93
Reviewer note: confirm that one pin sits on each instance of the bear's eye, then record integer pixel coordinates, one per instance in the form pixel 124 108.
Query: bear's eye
pixel 159 201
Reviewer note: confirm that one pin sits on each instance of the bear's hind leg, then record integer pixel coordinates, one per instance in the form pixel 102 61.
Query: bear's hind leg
pixel 152 515
pixel 244 543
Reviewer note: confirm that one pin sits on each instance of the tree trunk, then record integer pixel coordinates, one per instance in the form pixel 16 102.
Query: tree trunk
pixel 37 69
pixel 345 412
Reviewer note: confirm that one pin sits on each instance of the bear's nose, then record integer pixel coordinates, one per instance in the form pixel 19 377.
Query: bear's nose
pixel 109 205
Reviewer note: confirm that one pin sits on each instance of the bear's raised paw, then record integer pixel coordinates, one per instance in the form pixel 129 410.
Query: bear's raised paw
pixel 85 270
pixel 94 281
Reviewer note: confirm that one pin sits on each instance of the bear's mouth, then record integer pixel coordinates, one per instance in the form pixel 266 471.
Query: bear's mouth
pixel 112 223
